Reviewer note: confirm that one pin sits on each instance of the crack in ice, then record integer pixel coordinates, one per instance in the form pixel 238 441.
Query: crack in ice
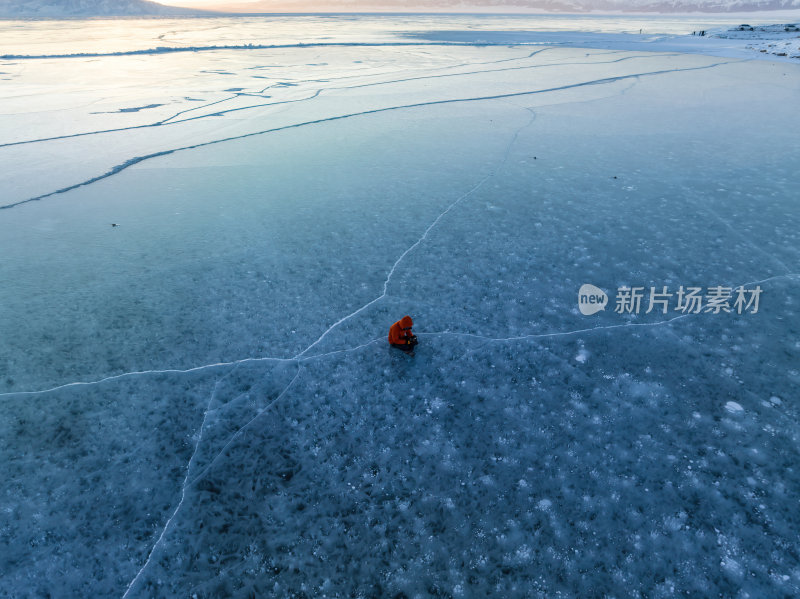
pixel 301 357
pixel 171 119
pixel 187 483
pixel 194 49
pixel 246 425
pixel 599 328
pixel 183 486
pixel 298 358
pixel 745 238
pixel 424 236
pixel 137 159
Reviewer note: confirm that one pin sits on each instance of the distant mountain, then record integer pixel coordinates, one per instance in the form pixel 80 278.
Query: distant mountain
pixel 87 8
pixel 486 6
pixel 665 6
pixel 91 8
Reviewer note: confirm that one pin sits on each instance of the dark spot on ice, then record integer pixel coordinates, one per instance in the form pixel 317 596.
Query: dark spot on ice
pixel 207 485
pixel 63 435
pixel 114 225
pixel 234 89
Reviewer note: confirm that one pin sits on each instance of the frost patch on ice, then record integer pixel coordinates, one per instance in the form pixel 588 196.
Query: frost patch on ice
pixel 734 408
pixel 731 566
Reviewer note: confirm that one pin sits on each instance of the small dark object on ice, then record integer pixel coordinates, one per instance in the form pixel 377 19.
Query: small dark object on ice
pixel 114 225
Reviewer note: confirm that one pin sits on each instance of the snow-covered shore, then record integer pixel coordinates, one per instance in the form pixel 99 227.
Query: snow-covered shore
pixel 776 42
pixel 781 40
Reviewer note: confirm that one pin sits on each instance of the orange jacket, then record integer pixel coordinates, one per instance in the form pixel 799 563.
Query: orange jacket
pixel 400 331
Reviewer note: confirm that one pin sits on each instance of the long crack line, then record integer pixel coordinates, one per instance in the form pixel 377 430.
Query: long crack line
pixel 157 544
pixel 245 427
pixel 138 159
pixel 172 120
pixel 424 236
pixel 380 339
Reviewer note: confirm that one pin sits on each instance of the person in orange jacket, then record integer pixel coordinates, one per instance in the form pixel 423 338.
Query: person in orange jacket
pixel 401 337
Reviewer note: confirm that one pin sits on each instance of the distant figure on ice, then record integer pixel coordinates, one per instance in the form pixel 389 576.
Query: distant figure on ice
pixel 401 337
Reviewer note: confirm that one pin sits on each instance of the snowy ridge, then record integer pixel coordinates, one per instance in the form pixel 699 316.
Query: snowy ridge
pixel 87 8
pixel 523 6
pixel 775 40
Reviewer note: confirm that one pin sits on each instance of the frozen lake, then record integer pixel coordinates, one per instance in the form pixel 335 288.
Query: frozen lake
pixel 200 400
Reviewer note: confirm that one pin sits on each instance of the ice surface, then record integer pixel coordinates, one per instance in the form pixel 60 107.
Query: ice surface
pixel 200 400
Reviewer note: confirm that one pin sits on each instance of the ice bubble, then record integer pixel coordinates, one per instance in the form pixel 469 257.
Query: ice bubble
pixel 731 566
pixel 734 408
